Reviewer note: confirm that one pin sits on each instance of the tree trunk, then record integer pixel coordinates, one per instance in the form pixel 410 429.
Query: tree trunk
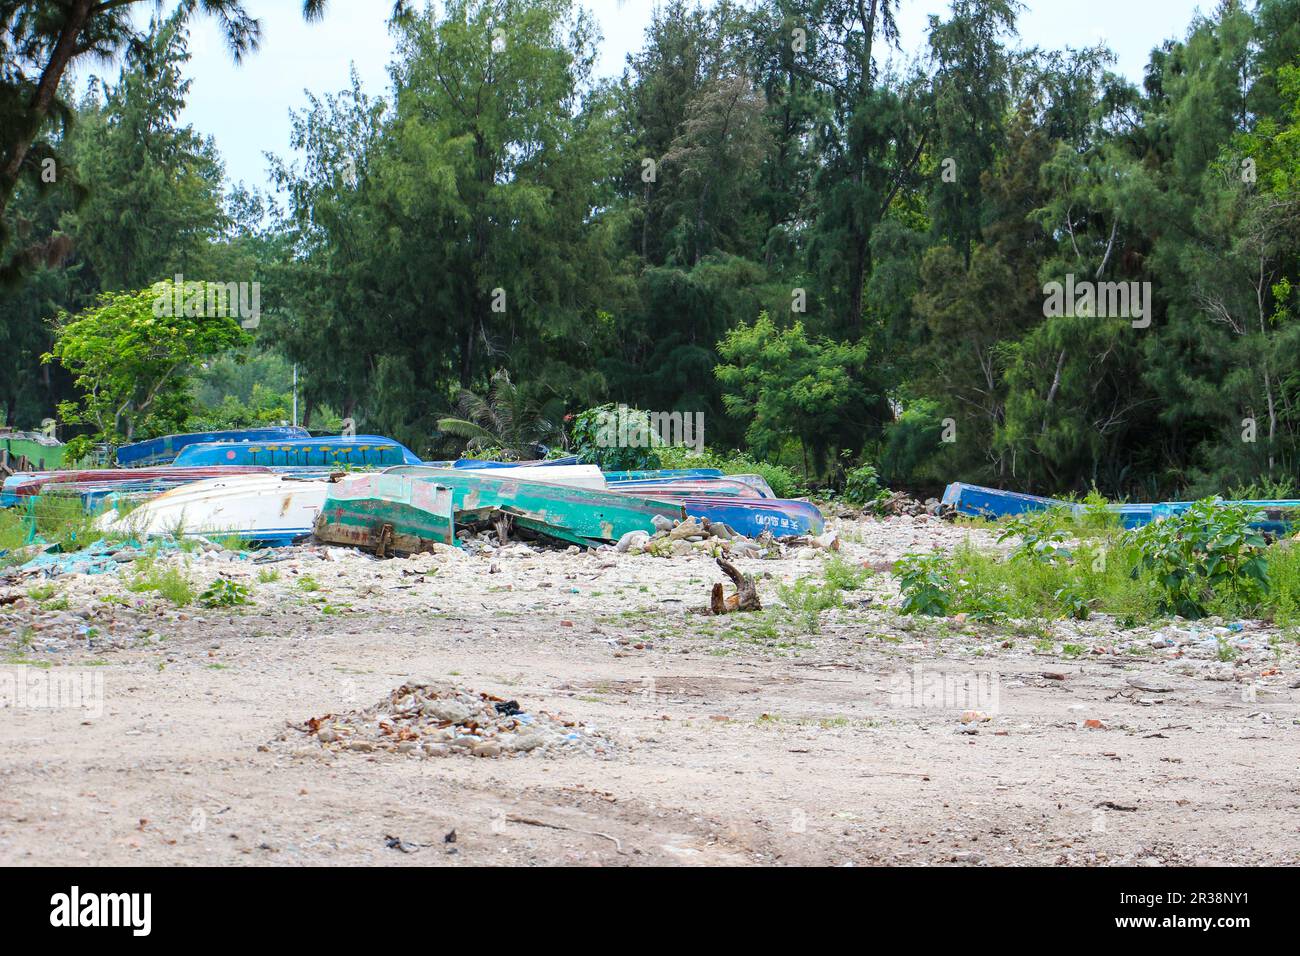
pixel 43 97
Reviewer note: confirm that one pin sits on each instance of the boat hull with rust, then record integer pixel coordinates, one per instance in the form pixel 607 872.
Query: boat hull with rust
pixel 387 514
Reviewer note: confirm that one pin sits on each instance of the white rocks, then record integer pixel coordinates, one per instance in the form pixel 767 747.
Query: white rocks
pixel 633 539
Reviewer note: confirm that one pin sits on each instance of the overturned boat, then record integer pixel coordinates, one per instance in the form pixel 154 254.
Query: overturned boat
pixel 390 509
pixel 95 484
pixel 781 517
pixel 975 501
pixel 387 514
pixel 160 451
pixel 265 509
pixel 731 486
pixel 361 451
pixel 570 475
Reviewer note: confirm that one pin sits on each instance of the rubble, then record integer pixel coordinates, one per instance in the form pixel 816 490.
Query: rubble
pixel 427 718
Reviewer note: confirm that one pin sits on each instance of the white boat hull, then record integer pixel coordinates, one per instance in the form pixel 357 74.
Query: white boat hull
pixel 268 508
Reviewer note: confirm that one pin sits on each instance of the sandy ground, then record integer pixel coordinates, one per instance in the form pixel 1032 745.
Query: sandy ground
pixel 750 739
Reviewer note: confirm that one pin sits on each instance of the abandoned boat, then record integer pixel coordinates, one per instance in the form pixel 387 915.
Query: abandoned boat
pixel 387 513
pixel 362 451
pixel 266 509
pixel 160 451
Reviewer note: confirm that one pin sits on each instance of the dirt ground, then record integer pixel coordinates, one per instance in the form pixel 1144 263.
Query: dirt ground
pixel 751 739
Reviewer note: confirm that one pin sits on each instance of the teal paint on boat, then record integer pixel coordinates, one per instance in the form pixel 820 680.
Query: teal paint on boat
pixel 387 513
pixel 593 516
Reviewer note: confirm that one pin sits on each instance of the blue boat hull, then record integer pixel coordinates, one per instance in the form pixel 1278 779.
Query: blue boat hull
pixel 474 463
pixel 160 451
pixel 613 477
pixel 361 451
pixel 752 516
pixel 974 501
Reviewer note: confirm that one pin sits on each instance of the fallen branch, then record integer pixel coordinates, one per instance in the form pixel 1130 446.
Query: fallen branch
pixel 745 598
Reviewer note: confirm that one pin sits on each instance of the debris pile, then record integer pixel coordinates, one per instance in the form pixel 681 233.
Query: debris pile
pixel 901 504
pixel 713 538
pixel 435 719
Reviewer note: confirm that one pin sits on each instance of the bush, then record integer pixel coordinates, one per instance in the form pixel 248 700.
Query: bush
pixel 1207 552
pixel 925 581
pixel 782 480
pixel 1206 560
pixel 862 486
pixel 596 436
pixel 172 584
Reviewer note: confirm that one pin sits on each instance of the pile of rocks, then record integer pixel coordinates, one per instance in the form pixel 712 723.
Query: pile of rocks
pixel 436 719
pixel 715 539
pixel 902 504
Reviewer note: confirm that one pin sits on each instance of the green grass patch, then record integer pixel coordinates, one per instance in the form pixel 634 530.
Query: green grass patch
pixel 1205 561
pixel 173 583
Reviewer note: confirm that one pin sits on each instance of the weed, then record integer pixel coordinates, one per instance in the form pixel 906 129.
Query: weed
pixel 1209 550
pixel 842 575
pixel 224 592
pixel 925 583
pixel 173 583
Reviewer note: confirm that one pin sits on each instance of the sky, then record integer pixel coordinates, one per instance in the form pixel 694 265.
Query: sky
pixel 246 107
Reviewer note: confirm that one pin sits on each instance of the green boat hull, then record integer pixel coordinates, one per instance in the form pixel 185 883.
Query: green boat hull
pixel 575 515
pixel 387 514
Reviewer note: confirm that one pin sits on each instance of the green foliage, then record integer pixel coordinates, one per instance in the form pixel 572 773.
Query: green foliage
pixel 925 581
pixel 1284 583
pixel 616 438
pixel 224 592
pixel 172 583
pixel 132 364
pixel 503 423
pixel 1209 550
pixel 1072 601
pixel 862 485
pixel 806 597
pixel 1206 560
pixel 1041 535
pixel 783 383
pixel 61 520
pixel 844 575
pixel 783 482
